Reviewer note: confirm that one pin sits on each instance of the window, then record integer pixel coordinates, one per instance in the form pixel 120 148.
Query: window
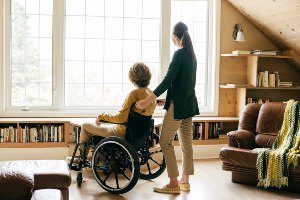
pixel 31 53
pixel 194 15
pixel 75 54
pixel 103 39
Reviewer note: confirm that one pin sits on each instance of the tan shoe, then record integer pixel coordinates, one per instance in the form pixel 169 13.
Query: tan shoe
pixel 167 189
pixel 185 186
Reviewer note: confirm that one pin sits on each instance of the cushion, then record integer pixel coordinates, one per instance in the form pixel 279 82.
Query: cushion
pixel 16 184
pixel 47 173
pixel 270 117
pixel 265 140
pixel 47 194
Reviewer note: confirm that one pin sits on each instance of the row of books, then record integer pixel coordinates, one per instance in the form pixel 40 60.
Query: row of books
pixel 46 133
pixel 267 79
pixel 256 100
pixel 215 129
pixel 256 52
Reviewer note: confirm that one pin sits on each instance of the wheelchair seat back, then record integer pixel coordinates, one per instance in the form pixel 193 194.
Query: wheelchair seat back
pixel 139 127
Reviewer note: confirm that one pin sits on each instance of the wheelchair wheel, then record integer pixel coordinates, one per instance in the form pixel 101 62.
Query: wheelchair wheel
pixel 152 163
pixel 116 165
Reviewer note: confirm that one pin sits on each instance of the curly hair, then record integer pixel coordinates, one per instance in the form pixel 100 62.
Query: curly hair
pixel 139 74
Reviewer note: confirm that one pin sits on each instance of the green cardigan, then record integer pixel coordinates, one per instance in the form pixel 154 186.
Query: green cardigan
pixel 180 82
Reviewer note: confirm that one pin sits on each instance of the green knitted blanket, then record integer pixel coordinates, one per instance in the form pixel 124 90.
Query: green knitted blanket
pixel 273 164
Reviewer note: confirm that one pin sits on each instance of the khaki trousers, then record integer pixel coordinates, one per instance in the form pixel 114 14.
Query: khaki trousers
pixel 169 129
pixel 104 130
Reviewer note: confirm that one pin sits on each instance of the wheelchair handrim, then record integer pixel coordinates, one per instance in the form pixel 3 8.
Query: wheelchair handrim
pixel 132 165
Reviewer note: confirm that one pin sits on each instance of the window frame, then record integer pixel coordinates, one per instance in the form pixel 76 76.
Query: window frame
pixel 58 109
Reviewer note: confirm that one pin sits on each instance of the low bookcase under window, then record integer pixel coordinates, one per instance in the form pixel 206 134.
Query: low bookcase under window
pixel 33 134
pixel 211 130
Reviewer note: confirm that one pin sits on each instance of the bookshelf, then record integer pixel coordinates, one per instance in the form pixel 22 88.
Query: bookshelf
pixel 241 71
pixel 34 132
pixel 228 123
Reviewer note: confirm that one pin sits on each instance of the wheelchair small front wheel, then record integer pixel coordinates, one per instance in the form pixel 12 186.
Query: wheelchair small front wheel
pixel 79 178
pixel 116 165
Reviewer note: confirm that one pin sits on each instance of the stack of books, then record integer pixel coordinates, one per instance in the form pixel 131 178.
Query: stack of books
pixel 241 52
pixel 265 52
pixel 256 100
pixel 215 129
pixel 285 84
pixel 46 133
pixel 266 79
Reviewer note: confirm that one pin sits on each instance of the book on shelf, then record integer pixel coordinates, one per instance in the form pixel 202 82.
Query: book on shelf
pixel 23 134
pixel 265 52
pixel 198 131
pixel 285 84
pixel 241 52
pixel 268 79
pixel 215 129
pixel 232 85
pixel 256 100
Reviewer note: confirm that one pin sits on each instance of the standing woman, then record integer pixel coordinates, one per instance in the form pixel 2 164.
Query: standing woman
pixel 181 105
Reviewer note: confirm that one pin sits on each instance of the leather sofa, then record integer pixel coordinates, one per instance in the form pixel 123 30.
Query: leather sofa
pixel 34 179
pixel 258 127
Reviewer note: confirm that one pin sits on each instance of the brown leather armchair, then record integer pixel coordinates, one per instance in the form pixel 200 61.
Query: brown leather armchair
pixel 258 127
pixel 34 179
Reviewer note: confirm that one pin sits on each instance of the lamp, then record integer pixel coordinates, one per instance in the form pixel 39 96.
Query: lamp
pixel 238 34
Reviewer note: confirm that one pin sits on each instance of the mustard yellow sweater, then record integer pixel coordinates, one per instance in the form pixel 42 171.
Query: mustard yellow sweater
pixel 122 116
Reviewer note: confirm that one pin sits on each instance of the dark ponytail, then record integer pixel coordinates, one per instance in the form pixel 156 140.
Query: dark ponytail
pixel 181 31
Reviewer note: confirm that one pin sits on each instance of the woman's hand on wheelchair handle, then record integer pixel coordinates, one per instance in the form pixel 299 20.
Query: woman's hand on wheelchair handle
pixel 142 104
pixel 97 122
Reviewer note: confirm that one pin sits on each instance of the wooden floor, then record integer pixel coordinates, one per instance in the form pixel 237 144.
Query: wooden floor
pixel 209 182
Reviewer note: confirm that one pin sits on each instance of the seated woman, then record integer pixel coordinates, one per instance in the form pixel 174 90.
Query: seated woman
pixel 139 75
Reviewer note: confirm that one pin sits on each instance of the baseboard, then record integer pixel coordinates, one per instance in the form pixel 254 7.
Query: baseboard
pixel 58 153
pixel 202 151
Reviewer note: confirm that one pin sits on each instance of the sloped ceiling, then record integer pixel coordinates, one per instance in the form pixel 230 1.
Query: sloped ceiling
pixel 279 20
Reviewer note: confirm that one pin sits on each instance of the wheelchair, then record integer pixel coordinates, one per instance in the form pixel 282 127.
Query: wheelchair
pixel 118 163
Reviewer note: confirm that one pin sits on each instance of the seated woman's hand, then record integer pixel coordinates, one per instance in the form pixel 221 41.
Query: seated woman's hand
pixel 160 102
pixel 97 122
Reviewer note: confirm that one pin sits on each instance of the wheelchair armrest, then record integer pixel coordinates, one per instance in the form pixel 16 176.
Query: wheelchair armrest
pixel 108 122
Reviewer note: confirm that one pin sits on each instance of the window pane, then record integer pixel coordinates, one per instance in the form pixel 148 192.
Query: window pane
pixel 114 8
pixel 32 6
pixel 74 49
pixel 149 51
pixel 113 28
pixel 132 28
pixel 75 7
pixel 133 8
pixel 112 72
pixel 94 27
pixel 75 26
pixel 31 53
pixel 45 26
pixel 94 49
pixel 150 29
pixel 113 50
pixel 103 40
pixel 132 50
pixel 95 7
pixel 113 92
pixel 93 72
pixel 151 8
pixel 74 72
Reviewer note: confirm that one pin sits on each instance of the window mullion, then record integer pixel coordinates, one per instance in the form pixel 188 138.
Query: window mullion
pixel 165 36
pixel 58 53
pixel 7 53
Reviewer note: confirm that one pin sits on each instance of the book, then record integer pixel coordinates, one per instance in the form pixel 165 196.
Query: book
pixel 265 52
pixel 241 52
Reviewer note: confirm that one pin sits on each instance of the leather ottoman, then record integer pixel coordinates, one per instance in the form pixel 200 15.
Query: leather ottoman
pixel 48 174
